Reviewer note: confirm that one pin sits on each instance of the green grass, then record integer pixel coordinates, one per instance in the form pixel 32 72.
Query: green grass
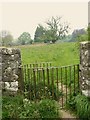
pixel 80 105
pixel 59 54
pixel 18 108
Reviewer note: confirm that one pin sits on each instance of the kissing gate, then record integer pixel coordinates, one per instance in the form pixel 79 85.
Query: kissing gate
pixel 42 80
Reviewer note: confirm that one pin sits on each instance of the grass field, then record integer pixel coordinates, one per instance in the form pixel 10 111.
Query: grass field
pixel 59 54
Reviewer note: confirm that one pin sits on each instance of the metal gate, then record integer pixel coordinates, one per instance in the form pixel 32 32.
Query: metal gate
pixel 59 83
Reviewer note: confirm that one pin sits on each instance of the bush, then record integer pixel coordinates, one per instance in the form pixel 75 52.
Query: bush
pixel 71 103
pixel 48 109
pixel 30 110
pixel 17 107
pixel 42 91
pixel 83 107
pixel 11 106
pixel 80 104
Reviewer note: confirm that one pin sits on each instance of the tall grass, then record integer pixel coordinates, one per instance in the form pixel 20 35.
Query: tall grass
pixel 59 54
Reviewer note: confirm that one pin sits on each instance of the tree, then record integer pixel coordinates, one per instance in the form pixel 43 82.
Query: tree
pixel 24 38
pixel 39 33
pixel 55 29
pixel 82 37
pixel 78 33
pixel 6 38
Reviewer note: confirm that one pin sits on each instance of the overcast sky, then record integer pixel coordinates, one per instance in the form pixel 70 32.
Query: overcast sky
pixel 19 17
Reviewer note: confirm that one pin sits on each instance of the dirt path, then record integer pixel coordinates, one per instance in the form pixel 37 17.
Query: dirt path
pixel 65 113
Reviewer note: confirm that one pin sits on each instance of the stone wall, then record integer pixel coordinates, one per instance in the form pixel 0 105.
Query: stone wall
pixel 10 59
pixel 85 68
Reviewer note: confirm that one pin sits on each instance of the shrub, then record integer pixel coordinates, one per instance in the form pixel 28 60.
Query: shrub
pixel 17 107
pixel 30 110
pixel 71 103
pixel 42 91
pixel 83 107
pixel 80 104
pixel 48 109
pixel 11 106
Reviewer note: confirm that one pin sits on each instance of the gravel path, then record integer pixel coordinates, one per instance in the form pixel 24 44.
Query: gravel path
pixel 65 113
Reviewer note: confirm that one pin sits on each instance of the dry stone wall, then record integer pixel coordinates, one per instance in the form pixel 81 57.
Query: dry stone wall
pixel 10 59
pixel 85 68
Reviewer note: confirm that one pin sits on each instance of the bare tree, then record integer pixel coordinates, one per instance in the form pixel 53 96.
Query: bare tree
pixel 58 29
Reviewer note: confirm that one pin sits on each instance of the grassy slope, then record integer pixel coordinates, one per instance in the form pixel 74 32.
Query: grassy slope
pixel 59 54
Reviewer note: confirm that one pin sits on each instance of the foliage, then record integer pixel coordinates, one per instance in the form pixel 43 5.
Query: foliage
pixel 77 33
pixel 83 37
pixel 24 38
pixel 83 107
pixel 6 38
pixel 49 109
pixel 17 107
pixel 80 104
pixel 40 94
pixel 71 103
pixel 38 37
pixel 11 106
pixel 54 31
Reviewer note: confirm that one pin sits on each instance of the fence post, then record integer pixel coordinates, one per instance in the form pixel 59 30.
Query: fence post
pixel 85 68
pixel 21 81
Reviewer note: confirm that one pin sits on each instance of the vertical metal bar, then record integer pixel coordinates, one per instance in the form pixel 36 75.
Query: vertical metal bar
pixel 39 80
pixel 36 64
pixel 52 83
pixel 70 81
pixel 50 64
pixel 57 79
pixel 25 72
pixel 31 82
pixel 27 66
pixel 31 75
pixel 40 65
pixel 74 79
pixel 57 76
pixel 34 84
pixel 44 79
pixel 78 77
pixel 62 88
pixel 33 65
pixel 37 74
pixel 43 65
pixel 30 65
pixel 41 74
pixel 29 92
pixel 47 64
pixel 48 76
pixel 66 82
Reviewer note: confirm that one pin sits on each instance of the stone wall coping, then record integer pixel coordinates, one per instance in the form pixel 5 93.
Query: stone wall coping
pixel 85 42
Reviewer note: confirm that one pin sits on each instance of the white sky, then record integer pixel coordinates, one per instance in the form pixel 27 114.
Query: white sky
pixel 19 17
